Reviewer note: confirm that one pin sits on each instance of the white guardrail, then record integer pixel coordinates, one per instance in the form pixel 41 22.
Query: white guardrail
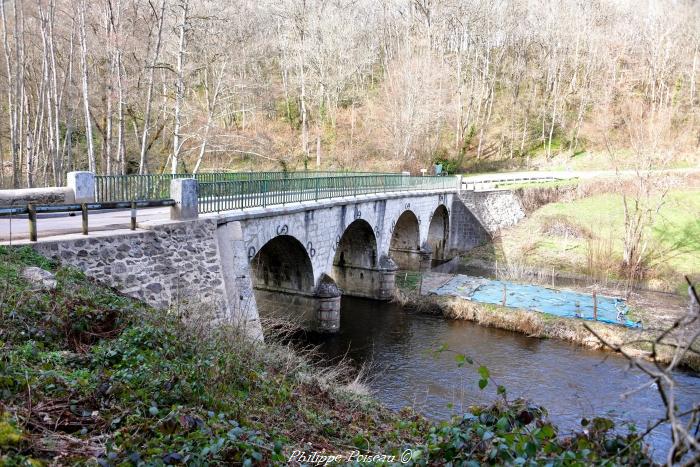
pixel 492 181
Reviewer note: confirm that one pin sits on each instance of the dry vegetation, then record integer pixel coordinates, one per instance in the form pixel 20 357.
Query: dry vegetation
pixel 657 313
pixel 135 86
pixel 626 232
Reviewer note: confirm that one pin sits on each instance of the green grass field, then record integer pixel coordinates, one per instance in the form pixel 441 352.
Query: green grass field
pixel 595 226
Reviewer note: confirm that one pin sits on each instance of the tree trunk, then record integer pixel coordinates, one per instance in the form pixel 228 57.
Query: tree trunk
pixel 179 88
pixel 85 88
pixel 143 160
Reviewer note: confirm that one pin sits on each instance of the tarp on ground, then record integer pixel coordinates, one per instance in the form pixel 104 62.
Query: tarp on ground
pixel 564 303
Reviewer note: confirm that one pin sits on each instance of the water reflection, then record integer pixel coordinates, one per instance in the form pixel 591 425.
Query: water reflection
pixel 570 381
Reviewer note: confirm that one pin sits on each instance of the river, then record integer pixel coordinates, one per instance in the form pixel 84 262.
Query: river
pixel 572 382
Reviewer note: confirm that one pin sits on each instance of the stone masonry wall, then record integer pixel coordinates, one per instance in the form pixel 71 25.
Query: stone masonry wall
pixel 494 210
pixel 174 264
pixel 466 231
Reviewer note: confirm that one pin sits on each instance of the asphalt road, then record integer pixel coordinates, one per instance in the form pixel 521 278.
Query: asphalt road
pixel 48 225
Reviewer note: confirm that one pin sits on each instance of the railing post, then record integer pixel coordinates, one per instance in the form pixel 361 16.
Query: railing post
pixel 84 215
pixel 133 215
pixel 316 196
pixel 83 186
pixel 459 183
pixel 185 192
pixel 32 222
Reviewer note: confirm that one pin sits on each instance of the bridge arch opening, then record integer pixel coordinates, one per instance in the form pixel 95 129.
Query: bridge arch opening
pixel 404 246
pixel 283 263
pixel 438 232
pixel 357 247
pixel 283 282
pixel 357 269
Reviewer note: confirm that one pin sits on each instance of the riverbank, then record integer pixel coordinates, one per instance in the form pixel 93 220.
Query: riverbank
pixel 576 227
pixel 88 376
pixel 654 311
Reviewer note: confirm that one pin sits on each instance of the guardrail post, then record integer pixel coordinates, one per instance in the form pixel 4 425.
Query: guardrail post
pixel 459 183
pixel 84 213
pixel 32 222
pixel 133 215
pixel 185 192
pixel 83 186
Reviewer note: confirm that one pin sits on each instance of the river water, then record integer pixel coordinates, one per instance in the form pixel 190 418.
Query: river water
pixel 572 382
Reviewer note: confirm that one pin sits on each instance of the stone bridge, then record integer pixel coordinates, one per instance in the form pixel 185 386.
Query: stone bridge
pixel 292 261
pixel 304 257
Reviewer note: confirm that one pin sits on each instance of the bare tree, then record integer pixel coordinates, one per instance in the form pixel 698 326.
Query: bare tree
pixel 123 82
pixel 681 338
pixel 143 161
pixel 92 165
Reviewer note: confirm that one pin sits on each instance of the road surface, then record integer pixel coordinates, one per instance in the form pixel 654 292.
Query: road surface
pixel 49 225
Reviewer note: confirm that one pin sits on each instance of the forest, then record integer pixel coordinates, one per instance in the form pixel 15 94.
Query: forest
pixel 152 86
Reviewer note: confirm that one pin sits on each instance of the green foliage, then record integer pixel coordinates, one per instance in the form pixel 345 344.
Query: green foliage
pixel 449 165
pixel 408 281
pixel 518 433
pixel 112 382
pixel 290 112
pixel 10 435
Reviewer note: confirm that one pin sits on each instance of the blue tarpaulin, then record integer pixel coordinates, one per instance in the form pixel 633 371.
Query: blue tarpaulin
pixel 563 303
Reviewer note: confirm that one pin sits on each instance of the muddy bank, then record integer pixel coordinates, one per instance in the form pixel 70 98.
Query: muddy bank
pixel 540 325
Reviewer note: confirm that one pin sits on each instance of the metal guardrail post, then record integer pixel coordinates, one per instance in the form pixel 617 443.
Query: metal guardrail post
pixel 84 214
pixel 31 210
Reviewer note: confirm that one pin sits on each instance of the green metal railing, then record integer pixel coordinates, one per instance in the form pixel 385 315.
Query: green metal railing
pixel 110 188
pixel 238 194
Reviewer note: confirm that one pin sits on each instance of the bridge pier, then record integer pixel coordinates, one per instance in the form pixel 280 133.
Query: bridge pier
pixel 412 260
pixel 376 283
pixel 319 311
pixel 328 316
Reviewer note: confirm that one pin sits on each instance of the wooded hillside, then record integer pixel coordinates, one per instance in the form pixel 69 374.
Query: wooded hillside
pixel 144 86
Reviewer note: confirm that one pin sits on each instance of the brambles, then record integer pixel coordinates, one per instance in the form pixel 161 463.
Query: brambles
pixel 130 384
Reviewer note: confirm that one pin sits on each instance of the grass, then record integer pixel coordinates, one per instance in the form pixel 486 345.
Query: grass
pixel 534 183
pixel 601 160
pixel 674 238
pixel 90 374
pixel 90 377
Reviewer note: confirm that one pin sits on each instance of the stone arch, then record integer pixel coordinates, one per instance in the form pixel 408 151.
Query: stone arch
pixel 357 269
pixel 283 264
pixel 438 232
pixel 405 234
pixel 283 283
pixel 357 247
pixel 404 246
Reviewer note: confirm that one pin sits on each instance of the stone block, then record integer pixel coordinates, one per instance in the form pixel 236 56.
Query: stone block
pixel 185 192
pixel 83 186
pixel 24 196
